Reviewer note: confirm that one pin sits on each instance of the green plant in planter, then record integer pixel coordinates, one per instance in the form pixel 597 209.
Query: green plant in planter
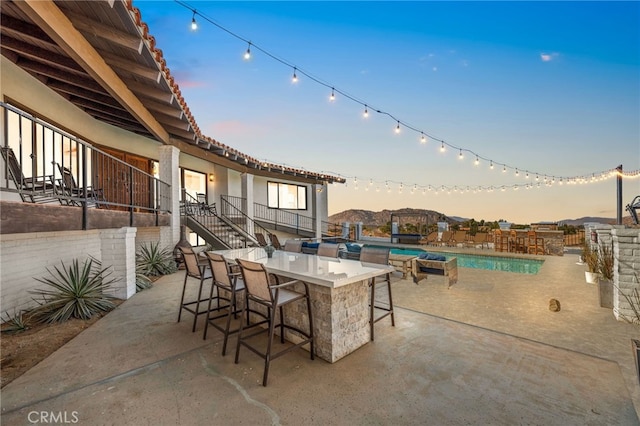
pixel 151 260
pixel 605 262
pixel 75 291
pixel 590 257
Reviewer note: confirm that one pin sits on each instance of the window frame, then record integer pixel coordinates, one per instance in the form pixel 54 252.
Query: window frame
pixel 278 202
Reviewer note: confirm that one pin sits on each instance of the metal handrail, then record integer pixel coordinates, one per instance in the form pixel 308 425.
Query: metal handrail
pixel 283 218
pixel 77 173
pixel 229 209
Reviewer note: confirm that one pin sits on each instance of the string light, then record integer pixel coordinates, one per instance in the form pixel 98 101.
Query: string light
pixel 194 24
pixel 477 161
pixel 423 135
pixel 333 95
pixel 460 156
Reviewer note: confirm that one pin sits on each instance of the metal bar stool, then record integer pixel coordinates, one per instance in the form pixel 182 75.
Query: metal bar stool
pixel 272 297
pixel 380 256
pixel 196 270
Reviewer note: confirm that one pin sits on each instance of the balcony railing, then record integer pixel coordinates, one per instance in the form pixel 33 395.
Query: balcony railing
pixel 44 164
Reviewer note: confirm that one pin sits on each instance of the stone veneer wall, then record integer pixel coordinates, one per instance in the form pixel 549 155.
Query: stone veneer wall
pixel 626 269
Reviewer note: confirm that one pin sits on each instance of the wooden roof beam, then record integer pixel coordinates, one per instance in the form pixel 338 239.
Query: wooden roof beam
pixel 132 67
pixel 54 22
pixel 56 73
pixel 88 26
pixel 42 55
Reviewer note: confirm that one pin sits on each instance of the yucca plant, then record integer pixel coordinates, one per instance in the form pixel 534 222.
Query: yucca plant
pixel 14 324
pixel 142 281
pixel 75 291
pixel 151 260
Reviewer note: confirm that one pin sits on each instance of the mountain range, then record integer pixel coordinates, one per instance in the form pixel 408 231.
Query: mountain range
pixel 368 217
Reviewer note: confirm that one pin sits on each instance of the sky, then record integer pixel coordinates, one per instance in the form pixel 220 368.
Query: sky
pixel 546 90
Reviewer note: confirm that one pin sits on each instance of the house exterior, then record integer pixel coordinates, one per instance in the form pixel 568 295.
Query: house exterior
pixel 101 152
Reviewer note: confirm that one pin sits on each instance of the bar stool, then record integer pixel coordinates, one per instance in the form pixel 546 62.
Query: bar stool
pixel 535 244
pixel 272 297
pixel 379 256
pixel 501 241
pixel 328 250
pixel 198 271
pixel 226 280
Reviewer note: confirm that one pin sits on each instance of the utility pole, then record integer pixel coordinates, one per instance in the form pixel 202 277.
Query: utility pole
pixel 619 187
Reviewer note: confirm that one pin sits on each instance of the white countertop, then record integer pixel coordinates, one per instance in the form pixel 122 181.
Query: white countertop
pixel 324 271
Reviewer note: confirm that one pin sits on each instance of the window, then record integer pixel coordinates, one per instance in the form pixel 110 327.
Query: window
pixel 286 196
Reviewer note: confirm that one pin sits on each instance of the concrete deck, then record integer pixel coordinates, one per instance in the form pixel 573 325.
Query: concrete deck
pixel 485 351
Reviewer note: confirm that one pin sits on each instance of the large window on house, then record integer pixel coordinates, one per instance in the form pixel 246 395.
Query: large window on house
pixel 286 196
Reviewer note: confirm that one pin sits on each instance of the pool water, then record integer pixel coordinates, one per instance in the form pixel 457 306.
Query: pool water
pixel 493 263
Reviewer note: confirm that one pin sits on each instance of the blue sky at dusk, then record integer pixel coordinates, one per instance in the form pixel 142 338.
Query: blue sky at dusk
pixel 549 88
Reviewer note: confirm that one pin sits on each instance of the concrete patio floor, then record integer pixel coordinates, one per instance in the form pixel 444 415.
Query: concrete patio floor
pixel 485 351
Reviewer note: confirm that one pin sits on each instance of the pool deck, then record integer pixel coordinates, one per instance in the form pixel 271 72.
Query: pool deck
pixel 485 351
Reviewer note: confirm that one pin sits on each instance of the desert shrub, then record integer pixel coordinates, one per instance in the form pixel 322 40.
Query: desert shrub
pixel 142 281
pixel 151 260
pixel 13 324
pixel 75 291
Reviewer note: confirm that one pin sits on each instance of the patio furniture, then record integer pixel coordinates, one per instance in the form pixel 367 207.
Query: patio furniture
pixel 458 238
pixel 227 281
pixel 379 256
pixel 294 246
pixel 33 189
pixel 430 239
pixel 534 244
pixel 516 242
pixel 339 289
pixel 72 190
pixel 402 263
pixel 310 247
pixel 204 206
pixel 273 298
pixel 328 250
pixel 434 264
pixel 275 242
pixel 199 271
pixel 479 239
pixel 501 240
pixel 261 240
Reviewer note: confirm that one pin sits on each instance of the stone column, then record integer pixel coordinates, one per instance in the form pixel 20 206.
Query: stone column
pixel 118 247
pixel 170 173
pixel 319 207
pixel 626 267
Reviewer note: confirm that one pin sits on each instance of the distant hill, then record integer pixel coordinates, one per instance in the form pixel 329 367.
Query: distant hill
pixel 368 217
pixel 626 220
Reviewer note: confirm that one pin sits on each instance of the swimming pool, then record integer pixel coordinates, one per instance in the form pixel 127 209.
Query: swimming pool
pixel 492 263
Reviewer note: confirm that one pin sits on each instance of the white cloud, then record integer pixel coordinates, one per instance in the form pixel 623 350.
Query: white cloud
pixel 547 57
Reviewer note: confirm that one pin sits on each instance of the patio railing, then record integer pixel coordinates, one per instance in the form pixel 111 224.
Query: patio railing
pixel 44 164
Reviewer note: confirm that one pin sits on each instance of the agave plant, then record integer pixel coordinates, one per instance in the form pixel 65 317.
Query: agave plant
pixel 142 281
pixel 14 324
pixel 75 291
pixel 151 260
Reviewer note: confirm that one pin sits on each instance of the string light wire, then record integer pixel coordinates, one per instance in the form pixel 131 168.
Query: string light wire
pixel 424 134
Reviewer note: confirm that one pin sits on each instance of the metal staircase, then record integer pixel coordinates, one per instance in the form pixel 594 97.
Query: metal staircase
pixel 219 232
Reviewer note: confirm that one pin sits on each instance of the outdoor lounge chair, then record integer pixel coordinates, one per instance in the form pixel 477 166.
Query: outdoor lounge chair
pixel 431 238
pixel 33 189
pixel 261 240
pixel 73 191
pixel 275 242
pixel 445 238
pixel 458 238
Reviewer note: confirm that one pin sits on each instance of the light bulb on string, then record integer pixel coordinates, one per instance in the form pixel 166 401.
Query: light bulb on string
pixel 294 79
pixel 398 127
pixel 247 54
pixel 477 161
pixel 333 95
pixel 527 176
pixel 517 173
pixel 423 138
pixel 442 147
pixel 491 165
pixel 365 114
pixel 194 24
pixel 460 156
pixel 504 169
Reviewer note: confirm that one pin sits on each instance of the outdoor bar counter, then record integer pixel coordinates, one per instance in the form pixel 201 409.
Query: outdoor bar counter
pixel 339 294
